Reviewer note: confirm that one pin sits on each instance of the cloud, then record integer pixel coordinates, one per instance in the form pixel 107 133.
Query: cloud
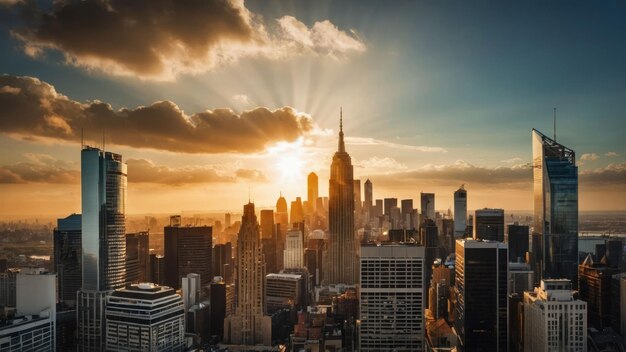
pixel 366 141
pixel 145 171
pixel 516 176
pixel 589 156
pixel 611 154
pixel 164 38
pixel 37 110
pixel 512 160
pixel 241 99
pixel 613 174
pixel 40 168
pixel 376 164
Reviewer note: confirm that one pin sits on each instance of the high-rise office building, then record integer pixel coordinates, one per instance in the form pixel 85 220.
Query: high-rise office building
pixel 223 261
pixel 249 325
pixel 518 237
pixel 460 212
pixel 284 291
pixel 388 204
pixel 34 325
pixel 342 253
pixel 282 213
pixel 368 190
pixel 594 285
pixel 427 201
pixel 157 269
pixel 294 249
pixel 297 211
pixel 103 198
pixel 392 298
pixel 481 295
pixel 7 287
pixel 145 317
pixel 406 210
pixel 554 320
pixel 68 258
pixel 489 224
pixel 312 190
pixel 137 257
pixel 267 224
pixel 187 250
pixel 555 230
pixel 357 196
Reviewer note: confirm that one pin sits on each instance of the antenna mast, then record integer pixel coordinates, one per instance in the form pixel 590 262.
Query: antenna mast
pixel 555 124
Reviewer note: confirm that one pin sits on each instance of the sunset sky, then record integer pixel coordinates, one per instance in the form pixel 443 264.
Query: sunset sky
pixel 209 101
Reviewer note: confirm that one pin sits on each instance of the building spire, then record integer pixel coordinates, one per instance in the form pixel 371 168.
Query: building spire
pixel 342 146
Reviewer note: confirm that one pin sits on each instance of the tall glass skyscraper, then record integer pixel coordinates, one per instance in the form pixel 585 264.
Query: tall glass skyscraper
pixel 103 193
pixel 555 233
pixel 460 212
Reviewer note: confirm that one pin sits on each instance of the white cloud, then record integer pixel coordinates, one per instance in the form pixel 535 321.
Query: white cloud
pixel 589 156
pixel 376 164
pixel 512 160
pixel 377 142
pixel 611 154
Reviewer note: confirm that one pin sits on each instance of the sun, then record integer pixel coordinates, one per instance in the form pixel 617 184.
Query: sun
pixel 290 160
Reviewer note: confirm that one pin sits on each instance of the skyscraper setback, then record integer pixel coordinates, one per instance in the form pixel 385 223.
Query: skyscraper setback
pixel 342 264
pixel 555 233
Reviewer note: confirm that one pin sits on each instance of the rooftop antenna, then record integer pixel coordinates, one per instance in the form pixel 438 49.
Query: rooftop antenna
pixel 555 124
pixel 103 139
pixel 82 138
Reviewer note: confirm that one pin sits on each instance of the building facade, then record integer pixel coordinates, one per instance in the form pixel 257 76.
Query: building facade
pixel 553 319
pixel 68 258
pixel 392 297
pixel 342 252
pixel 145 317
pixel 249 325
pixel 489 224
pixel 188 249
pixel 103 227
pixel 460 212
pixel 555 230
pixel 481 308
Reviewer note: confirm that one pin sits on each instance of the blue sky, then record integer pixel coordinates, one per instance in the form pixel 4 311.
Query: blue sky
pixel 470 78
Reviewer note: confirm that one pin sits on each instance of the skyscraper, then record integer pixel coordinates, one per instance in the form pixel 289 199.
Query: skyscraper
pixel 187 250
pixel 428 205
pixel 357 196
pixel 145 317
pixel 481 295
pixel 249 325
pixel 388 204
pixel 103 194
pixel 137 257
pixel 460 212
pixel 392 299
pixel 554 320
pixel 342 266
pixel 312 190
pixel 368 190
pixel 267 224
pixel 294 249
pixel 297 211
pixel 407 211
pixel 489 224
pixel 68 258
pixel 517 237
pixel 555 233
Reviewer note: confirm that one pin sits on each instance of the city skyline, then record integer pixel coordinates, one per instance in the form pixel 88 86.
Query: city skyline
pixel 427 130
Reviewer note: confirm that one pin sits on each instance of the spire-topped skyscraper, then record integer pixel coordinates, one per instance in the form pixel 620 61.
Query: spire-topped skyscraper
pixel 342 266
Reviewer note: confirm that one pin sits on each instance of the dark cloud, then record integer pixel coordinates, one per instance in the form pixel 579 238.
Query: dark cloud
pixel 33 108
pixel 46 169
pixel 161 38
pixel 39 169
pixel 145 171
